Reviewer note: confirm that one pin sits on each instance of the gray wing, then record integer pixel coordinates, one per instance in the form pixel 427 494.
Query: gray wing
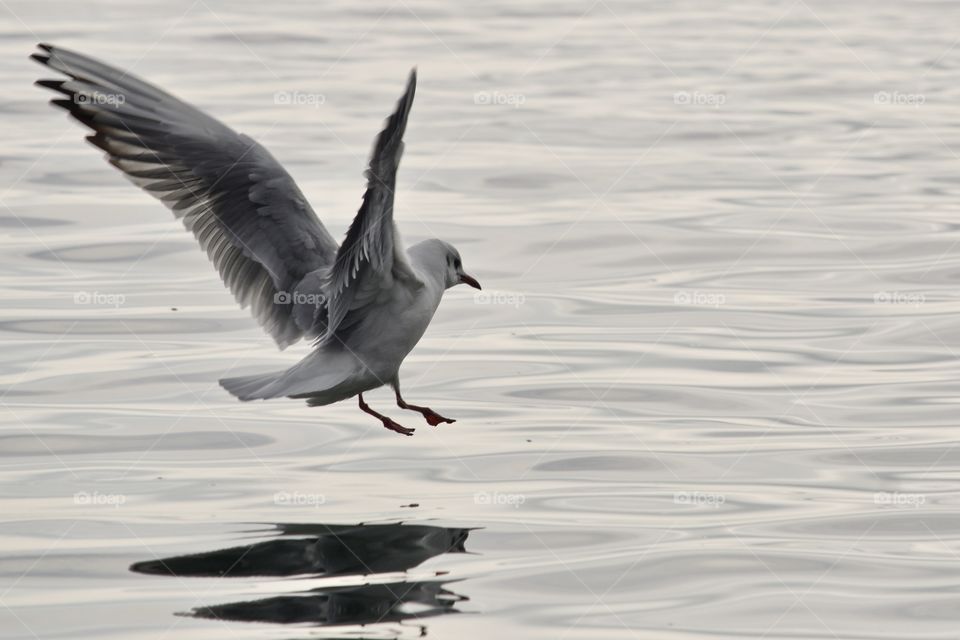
pixel 370 259
pixel 243 207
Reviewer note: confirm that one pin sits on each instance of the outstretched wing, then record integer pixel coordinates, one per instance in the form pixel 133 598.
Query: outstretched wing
pixel 371 258
pixel 243 207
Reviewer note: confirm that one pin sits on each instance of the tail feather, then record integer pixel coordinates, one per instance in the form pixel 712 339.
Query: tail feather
pixel 321 377
pixel 256 387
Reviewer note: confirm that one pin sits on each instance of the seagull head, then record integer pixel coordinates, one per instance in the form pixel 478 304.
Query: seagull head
pixel 455 273
pixel 442 257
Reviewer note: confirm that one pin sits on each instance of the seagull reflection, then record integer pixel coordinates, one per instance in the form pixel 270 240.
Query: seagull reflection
pixel 362 605
pixel 320 550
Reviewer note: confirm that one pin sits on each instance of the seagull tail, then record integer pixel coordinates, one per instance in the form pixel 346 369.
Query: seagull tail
pixel 321 376
pixel 256 387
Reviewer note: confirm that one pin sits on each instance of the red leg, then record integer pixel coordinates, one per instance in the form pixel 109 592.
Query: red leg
pixel 432 417
pixel 387 422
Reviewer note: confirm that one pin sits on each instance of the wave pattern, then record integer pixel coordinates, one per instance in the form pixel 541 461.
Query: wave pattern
pixel 710 388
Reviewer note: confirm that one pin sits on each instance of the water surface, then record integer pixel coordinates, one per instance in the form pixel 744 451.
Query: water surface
pixel 709 391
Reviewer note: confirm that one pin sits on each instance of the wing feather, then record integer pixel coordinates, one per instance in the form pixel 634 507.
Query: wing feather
pixel 370 258
pixel 244 209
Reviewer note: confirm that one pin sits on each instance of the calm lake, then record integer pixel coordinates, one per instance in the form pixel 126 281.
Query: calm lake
pixel 710 389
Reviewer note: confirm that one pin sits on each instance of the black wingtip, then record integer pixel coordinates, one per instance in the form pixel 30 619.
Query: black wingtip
pixel 49 84
pixel 43 58
pixel 411 90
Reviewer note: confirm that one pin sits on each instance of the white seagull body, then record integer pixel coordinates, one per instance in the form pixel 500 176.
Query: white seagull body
pixel 366 303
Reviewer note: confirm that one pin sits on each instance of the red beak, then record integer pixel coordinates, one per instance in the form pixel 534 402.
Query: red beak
pixel 470 280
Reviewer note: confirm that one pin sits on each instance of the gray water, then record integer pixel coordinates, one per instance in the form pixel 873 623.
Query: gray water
pixel 710 390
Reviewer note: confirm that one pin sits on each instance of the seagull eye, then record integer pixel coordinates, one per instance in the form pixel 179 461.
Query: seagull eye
pixel 456 264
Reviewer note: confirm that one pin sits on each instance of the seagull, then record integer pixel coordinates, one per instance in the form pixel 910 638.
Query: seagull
pixel 365 303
